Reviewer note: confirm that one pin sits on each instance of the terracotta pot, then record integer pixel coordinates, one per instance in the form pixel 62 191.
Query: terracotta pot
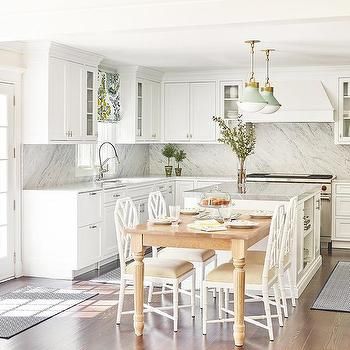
pixel 178 171
pixel 168 170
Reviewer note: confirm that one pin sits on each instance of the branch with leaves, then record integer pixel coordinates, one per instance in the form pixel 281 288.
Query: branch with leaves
pixel 179 156
pixel 240 138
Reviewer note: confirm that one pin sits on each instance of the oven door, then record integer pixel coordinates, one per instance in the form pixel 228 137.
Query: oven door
pixel 326 217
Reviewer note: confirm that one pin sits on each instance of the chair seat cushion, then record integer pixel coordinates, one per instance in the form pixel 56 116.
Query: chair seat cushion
pixel 165 268
pixel 187 254
pixel 258 257
pixel 253 273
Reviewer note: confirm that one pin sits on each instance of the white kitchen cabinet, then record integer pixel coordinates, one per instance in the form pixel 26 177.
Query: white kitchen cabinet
pixel 176 112
pixel 59 95
pixel 230 92
pixel 88 245
pixel 188 112
pixel 148 110
pixel 108 236
pixel 203 108
pixel 341 214
pixel 141 207
pixel 342 125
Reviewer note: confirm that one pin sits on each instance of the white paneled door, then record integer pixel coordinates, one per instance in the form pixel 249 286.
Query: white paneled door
pixel 7 181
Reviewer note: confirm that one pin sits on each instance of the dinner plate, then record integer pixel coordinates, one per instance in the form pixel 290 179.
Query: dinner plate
pixel 165 221
pixel 189 211
pixel 261 214
pixel 241 224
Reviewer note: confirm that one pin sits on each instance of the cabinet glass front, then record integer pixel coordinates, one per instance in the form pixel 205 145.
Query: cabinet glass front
pixel 90 104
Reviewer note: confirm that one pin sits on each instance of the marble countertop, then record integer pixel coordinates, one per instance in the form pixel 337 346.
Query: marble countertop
pixel 262 191
pixel 125 182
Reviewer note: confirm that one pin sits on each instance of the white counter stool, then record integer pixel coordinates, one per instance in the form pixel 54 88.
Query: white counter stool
pixel 199 257
pixel 156 270
pixel 284 259
pixel 260 278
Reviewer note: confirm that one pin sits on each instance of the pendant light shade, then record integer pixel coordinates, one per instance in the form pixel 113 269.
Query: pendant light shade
pixel 267 91
pixel 251 100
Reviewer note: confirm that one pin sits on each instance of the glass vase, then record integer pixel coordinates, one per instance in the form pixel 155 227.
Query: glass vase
pixel 241 177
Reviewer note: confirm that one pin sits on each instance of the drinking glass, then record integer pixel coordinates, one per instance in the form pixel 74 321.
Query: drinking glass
pixel 174 213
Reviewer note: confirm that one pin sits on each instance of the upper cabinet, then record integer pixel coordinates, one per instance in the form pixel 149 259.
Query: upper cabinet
pixel 342 130
pixel 59 95
pixel 188 111
pixel 230 92
pixel 148 110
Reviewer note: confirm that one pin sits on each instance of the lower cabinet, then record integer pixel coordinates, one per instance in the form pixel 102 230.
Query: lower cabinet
pixel 108 237
pixel 341 214
pixel 88 245
pixel 142 211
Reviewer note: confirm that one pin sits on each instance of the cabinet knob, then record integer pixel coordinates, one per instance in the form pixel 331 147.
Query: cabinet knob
pixel 92 193
pixel 92 226
pixel 116 195
pixel 190 136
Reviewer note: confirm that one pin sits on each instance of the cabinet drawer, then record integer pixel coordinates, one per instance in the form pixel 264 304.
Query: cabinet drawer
pixel 342 206
pixel 140 192
pixel 342 229
pixel 89 208
pixel 111 196
pixel 89 246
pixel 342 188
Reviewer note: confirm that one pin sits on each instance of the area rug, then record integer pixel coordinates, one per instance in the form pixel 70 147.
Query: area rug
pixel 112 276
pixel 26 307
pixel 335 294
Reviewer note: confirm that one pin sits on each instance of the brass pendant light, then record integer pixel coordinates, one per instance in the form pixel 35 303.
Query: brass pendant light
pixel 267 91
pixel 251 100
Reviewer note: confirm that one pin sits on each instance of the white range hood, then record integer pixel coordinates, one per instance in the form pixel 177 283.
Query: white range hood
pixel 303 101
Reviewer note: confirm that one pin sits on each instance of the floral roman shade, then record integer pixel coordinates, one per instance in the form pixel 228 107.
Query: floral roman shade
pixel 108 97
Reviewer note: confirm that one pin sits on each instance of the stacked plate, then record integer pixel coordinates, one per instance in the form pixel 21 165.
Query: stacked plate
pixel 241 224
pixel 261 214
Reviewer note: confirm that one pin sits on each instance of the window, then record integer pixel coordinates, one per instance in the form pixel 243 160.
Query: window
pixel 85 160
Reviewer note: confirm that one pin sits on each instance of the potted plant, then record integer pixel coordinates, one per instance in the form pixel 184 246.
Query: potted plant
pixel 241 138
pixel 179 156
pixel 168 151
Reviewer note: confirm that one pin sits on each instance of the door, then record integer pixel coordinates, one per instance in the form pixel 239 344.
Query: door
pixel 176 111
pixel 203 108
pixel 155 111
pixel 146 110
pixel 7 181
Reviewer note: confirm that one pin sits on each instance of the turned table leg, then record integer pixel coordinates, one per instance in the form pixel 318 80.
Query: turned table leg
pixel 139 289
pixel 239 295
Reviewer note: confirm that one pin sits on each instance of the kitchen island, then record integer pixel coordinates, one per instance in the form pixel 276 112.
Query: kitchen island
pixel 266 196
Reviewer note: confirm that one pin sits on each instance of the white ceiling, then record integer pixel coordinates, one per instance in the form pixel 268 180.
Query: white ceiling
pixel 192 34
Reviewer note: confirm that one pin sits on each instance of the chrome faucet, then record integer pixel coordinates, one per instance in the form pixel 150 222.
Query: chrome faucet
pixel 103 169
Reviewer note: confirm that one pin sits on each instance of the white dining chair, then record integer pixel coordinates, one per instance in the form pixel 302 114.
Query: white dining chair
pixel 260 278
pixel 284 260
pixel 169 271
pixel 200 258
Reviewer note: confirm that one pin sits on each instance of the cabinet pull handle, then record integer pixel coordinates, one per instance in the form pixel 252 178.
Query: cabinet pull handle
pixel 92 193
pixel 92 226
pixel 116 195
pixel 190 136
pixel 318 204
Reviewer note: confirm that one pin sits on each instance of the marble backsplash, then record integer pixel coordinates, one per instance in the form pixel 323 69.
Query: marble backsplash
pixel 51 165
pixel 280 147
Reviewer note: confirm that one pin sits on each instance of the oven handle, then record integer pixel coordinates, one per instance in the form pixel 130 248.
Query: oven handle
pixel 326 197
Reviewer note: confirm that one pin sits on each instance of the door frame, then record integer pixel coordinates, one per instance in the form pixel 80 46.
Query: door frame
pixel 13 76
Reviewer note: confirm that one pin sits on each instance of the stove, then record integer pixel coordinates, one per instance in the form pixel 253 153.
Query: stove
pixel 325 181
pixel 287 177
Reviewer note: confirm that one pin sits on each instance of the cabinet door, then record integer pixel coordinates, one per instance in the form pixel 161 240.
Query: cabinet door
pixel 57 105
pixel 89 208
pixel 181 187
pixel 203 108
pixel 89 104
pixel 155 135
pixel 141 206
pixel 146 114
pixel 89 248
pixel 74 100
pixel 109 236
pixel 176 111
pixel 317 221
pixel 343 120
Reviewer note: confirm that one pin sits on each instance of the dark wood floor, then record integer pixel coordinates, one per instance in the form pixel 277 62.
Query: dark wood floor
pixel 91 325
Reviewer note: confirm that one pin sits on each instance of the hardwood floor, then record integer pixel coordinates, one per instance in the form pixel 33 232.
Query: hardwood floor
pixel 91 325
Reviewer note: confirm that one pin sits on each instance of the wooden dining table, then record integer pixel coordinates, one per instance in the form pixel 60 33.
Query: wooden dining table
pixel 235 240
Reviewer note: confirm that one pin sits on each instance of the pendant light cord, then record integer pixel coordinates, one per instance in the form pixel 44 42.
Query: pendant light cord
pixel 252 78
pixel 267 82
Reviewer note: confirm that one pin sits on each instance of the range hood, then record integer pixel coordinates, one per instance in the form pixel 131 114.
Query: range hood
pixel 304 101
